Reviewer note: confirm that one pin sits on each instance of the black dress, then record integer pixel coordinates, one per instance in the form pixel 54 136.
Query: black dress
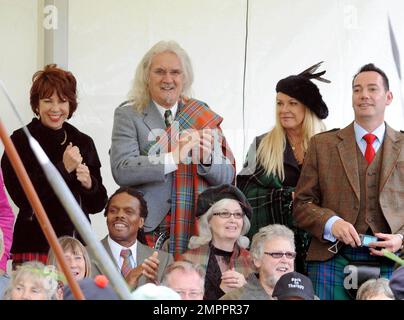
pixel 28 236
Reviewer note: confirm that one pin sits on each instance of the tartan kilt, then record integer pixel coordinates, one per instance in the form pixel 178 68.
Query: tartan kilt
pixel 328 276
pixel 274 206
pixel 20 258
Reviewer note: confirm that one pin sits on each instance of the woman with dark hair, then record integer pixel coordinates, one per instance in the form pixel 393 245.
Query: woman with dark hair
pixel 53 99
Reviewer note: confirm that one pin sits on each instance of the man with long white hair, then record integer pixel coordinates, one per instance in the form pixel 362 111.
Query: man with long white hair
pixel 168 145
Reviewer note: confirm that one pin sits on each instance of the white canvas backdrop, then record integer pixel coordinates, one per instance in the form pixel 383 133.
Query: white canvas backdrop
pixel 106 40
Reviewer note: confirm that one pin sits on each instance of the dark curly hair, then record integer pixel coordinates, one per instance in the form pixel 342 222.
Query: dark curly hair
pixel 143 207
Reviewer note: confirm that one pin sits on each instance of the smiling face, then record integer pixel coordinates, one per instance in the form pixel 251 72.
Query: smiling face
pixel 77 263
pixel 123 219
pixel 227 229
pixel 53 111
pixel 370 97
pixel 271 269
pixel 166 79
pixel 291 111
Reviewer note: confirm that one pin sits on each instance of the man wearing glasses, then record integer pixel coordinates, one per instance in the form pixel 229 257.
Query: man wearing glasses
pixel 169 146
pixel 273 254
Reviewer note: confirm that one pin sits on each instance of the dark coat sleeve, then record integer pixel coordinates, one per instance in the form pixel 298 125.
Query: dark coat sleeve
pixel 95 199
pixel 35 173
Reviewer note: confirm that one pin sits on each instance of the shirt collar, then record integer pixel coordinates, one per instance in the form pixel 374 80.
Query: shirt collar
pixel 116 249
pixel 378 132
pixel 162 109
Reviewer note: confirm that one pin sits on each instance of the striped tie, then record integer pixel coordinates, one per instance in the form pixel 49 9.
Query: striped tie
pixel 126 265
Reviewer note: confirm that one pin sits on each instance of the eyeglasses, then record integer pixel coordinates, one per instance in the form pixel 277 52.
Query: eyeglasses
pixel 162 72
pixel 193 295
pixel 278 255
pixel 226 214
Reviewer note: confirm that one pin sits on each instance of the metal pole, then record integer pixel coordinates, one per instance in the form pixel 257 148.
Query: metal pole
pixel 40 213
pixel 73 210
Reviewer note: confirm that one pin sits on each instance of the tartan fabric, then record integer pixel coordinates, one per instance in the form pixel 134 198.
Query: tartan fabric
pixel 240 259
pixel 162 228
pixel 272 204
pixel 196 115
pixel 20 258
pixel 328 276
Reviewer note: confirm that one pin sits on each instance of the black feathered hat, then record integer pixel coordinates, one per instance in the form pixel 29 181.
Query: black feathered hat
pixel 303 89
pixel 224 191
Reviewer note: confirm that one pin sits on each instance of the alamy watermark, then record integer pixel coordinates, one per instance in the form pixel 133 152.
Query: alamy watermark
pixel 50 21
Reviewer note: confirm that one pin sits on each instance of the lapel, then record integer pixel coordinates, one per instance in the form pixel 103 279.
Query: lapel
pixel 348 156
pixel 288 156
pixel 108 249
pixel 391 151
pixel 142 253
pixel 152 118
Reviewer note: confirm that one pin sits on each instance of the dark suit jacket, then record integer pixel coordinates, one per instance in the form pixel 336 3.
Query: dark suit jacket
pixel 329 185
pixel 142 253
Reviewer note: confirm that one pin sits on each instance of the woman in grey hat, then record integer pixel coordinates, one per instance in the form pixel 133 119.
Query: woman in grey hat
pixel 274 160
pixel 220 246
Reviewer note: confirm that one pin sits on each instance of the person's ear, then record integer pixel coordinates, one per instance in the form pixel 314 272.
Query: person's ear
pixel 257 263
pixel 141 222
pixel 389 97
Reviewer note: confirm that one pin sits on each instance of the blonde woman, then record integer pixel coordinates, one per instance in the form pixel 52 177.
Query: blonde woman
pixel 220 247
pixel 274 160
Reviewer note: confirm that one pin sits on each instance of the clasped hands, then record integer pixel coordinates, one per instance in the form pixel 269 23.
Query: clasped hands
pixel 194 146
pixel 231 280
pixel 72 160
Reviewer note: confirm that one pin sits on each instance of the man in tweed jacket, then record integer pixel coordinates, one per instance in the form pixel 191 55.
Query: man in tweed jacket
pixel 349 186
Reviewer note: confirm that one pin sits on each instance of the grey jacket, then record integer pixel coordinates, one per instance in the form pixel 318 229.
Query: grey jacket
pixel 132 134
pixel 142 253
pixel 252 290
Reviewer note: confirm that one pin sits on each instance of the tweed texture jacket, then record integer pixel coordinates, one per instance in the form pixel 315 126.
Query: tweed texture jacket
pixel 329 185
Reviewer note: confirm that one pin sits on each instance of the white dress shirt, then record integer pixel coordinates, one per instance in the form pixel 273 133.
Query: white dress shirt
pixel 116 249
pixel 169 163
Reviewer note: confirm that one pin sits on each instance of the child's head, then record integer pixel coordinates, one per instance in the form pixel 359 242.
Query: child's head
pixel 32 281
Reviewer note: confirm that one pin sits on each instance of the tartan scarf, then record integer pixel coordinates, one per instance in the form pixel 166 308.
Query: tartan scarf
pixel 187 185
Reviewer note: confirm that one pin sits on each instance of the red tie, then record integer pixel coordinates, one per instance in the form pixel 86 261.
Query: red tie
pixel 370 151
